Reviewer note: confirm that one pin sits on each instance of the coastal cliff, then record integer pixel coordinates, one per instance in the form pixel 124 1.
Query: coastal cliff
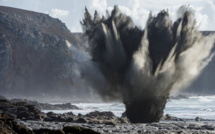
pixel 34 55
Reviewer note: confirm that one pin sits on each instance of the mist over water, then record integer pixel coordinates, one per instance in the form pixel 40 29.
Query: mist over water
pixel 143 66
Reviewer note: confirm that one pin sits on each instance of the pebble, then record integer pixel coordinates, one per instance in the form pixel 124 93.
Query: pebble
pixel 171 127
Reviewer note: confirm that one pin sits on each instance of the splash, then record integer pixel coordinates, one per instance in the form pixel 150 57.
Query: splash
pixel 143 66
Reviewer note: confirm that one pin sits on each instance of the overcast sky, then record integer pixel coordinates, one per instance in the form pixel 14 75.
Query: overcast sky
pixel 71 11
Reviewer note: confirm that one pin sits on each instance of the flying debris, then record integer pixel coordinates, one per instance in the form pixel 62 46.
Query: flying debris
pixel 143 66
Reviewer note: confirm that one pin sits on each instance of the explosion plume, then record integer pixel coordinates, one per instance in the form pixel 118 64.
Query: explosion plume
pixel 143 66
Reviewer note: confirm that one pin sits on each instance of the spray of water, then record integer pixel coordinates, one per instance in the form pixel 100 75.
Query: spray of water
pixel 143 66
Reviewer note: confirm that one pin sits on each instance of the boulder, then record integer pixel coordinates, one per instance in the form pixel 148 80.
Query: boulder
pixel 21 110
pixel 66 117
pixel 78 130
pixel 100 114
pixel 48 131
pixel 81 120
pixel 9 126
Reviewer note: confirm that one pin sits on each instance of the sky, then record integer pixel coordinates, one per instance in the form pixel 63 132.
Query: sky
pixel 71 12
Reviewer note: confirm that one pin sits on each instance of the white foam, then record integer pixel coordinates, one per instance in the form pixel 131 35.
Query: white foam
pixel 196 106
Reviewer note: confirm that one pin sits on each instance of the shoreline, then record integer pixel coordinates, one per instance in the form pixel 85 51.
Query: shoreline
pixel 27 115
pixel 167 127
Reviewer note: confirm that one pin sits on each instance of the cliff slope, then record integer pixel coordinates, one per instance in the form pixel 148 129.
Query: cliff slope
pixel 34 54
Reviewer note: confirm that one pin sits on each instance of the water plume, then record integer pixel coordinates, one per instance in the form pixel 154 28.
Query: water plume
pixel 143 66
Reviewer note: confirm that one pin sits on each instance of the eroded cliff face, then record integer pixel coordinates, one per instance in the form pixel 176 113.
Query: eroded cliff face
pixel 34 55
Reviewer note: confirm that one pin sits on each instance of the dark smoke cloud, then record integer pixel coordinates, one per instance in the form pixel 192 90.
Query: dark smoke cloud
pixel 143 66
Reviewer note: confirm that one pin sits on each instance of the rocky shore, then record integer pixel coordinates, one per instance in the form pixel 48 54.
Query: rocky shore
pixel 164 127
pixel 47 106
pixel 25 111
pixel 21 117
pixel 37 58
pixel 9 126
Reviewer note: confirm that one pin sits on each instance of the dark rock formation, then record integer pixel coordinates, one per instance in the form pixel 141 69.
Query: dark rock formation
pixel 95 117
pixel 66 130
pixel 47 106
pixel 67 117
pixel 9 126
pixel 78 130
pixel 168 117
pixel 25 111
pixel 105 117
pixel 100 114
pixel 21 110
pixel 165 127
pixel 34 56
pixel 48 131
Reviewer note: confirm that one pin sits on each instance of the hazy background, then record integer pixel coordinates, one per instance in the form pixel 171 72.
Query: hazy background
pixel 71 11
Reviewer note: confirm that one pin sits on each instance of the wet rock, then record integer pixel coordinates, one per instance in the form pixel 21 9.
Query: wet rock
pixel 104 114
pixel 197 119
pixel 67 117
pixel 51 117
pixel 66 130
pixel 123 120
pixel 110 123
pixel 78 130
pixel 66 106
pixel 168 117
pixel 97 117
pixel 46 106
pixel 208 127
pixel 167 127
pixel 48 131
pixel 24 115
pixel 9 126
pixel 81 120
pixel 172 118
pixel 21 110
pixel 90 122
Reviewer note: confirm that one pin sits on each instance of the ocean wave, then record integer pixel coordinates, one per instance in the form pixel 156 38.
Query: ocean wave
pixel 189 108
pixel 208 97
pixel 209 110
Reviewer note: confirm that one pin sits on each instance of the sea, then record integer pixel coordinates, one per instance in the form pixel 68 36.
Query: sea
pixel 195 106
